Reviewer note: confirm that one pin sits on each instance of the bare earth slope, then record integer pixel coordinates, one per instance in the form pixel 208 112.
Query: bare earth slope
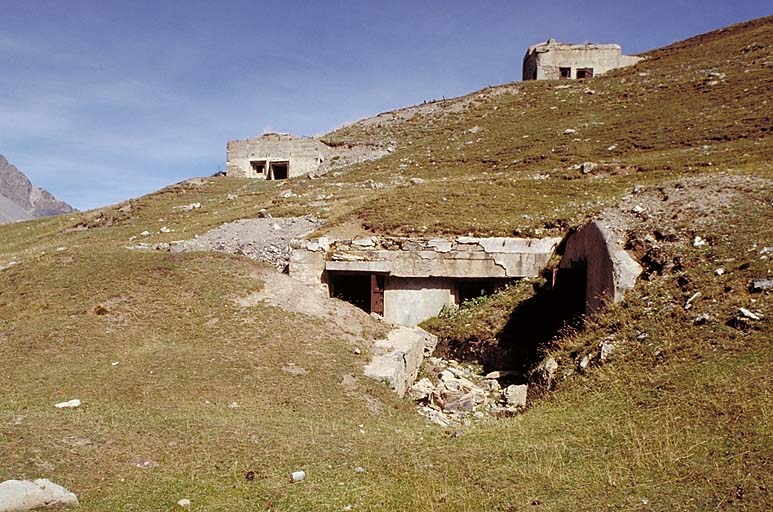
pixel 30 201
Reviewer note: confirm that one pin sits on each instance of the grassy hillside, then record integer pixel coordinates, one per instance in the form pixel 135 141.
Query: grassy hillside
pixel 189 392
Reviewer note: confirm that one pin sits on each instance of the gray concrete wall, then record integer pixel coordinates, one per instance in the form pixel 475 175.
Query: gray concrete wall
pixel 304 154
pixel 547 58
pixel 610 271
pixel 410 301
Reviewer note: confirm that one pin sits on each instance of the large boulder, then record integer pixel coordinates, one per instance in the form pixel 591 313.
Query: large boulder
pixel 21 495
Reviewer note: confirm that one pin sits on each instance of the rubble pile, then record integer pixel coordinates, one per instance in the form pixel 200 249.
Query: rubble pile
pixel 461 394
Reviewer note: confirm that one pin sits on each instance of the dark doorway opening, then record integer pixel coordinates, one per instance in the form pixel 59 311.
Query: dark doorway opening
pixel 569 290
pixel 354 288
pixel 279 170
pixel 584 73
pixel 258 166
pixel 467 289
pixel 564 73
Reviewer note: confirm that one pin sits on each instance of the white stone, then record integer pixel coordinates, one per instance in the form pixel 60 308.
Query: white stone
pixel 184 503
pixel 70 404
pixel 748 314
pixel 417 181
pixel 165 229
pixel 297 476
pixel 359 469
pixel 605 349
pixel 515 395
pixel 719 271
pixel 21 495
pixel 421 390
pixel 145 233
pixel 569 131
pixel 698 242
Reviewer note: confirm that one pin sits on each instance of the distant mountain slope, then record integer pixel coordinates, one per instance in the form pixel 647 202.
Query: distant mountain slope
pixel 20 200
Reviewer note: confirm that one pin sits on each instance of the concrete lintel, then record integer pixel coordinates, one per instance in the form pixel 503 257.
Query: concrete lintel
pixel 359 266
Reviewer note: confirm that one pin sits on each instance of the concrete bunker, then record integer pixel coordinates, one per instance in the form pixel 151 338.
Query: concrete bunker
pixel 278 156
pixel 407 280
pixel 594 269
pixel 566 61
pixel 274 156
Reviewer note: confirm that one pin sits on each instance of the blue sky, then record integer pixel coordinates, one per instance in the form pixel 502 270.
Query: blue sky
pixel 105 100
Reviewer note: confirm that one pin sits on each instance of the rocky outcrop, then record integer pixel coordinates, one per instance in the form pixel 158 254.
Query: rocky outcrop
pixel 20 200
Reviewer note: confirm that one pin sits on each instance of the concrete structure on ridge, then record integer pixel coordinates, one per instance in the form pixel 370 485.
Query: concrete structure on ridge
pixel 555 61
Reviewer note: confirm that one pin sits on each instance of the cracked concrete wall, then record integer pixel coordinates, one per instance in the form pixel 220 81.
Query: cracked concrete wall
pixel 542 61
pixel 464 257
pixel 304 154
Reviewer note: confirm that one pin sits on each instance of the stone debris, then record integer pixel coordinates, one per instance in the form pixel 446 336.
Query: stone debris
pixel 698 242
pixel 70 404
pixel 693 298
pixel 570 131
pixel 606 347
pixel 588 167
pixel 263 239
pixel 184 503
pixel 189 207
pixel 416 181
pixel 165 229
pixel 718 272
pixel 702 319
pixel 462 395
pixel 748 314
pixel 297 476
pixel 21 495
pixel 760 285
pixel 359 470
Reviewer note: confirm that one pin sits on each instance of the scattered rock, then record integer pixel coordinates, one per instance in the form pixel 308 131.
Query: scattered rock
pixel 232 197
pixel 70 404
pixel 584 362
pixel 145 233
pixel 760 285
pixel 702 319
pixel 416 181
pixel 515 395
pixel 297 476
pixel 139 462
pixel 698 241
pixel 359 470
pixel 693 298
pixel 605 350
pixel 588 167
pixel 21 495
pixel 184 503
pixel 190 207
pixel 421 390
pixel 719 271
pixel 570 131
pixel 748 314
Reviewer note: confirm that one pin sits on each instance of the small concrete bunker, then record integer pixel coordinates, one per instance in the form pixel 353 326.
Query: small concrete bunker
pixel 565 61
pixel 407 280
pixel 274 156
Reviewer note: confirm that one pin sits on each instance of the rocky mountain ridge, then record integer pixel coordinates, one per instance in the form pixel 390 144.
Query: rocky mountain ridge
pixel 21 200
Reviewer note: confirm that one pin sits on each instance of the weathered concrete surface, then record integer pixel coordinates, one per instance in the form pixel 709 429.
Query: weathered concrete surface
pixel 396 359
pixel 20 495
pixel 410 301
pixel 610 271
pixel 464 257
pixel 543 61
pixel 304 155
